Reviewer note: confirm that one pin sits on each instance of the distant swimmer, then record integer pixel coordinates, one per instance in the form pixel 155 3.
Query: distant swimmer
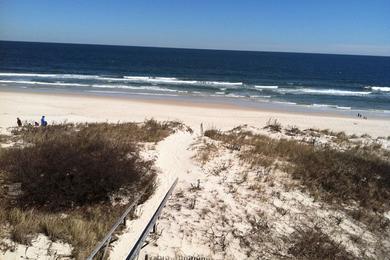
pixel 19 122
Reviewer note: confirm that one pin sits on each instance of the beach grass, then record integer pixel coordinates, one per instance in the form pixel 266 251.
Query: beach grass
pixel 74 180
pixel 345 176
pixel 359 174
pixel 312 243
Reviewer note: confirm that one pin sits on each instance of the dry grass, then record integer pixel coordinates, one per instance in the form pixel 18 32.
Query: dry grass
pixel 4 138
pixel 374 221
pixel 274 125
pixel 293 131
pixel 73 169
pixel 148 131
pixel 205 152
pixel 313 244
pixel 348 179
pixel 354 175
pixel 70 174
pixel 82 228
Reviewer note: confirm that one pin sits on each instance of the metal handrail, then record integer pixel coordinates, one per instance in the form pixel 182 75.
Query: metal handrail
pixel 137 247
pixel 139 244
pixel 106 240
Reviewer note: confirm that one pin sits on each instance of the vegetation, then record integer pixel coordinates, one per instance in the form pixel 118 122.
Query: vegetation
pixel 348 176
pixel 63 171
pixel 274 125
pixel 313 244
pixel 72 181
pixel 149 131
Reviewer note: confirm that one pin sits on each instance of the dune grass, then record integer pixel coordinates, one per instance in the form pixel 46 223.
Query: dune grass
pixel 148 131
pixel 75 180
pixel 313 244
pixel 354 179
pixel 336 176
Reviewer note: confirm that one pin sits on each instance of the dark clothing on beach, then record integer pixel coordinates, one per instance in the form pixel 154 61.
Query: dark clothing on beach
pixel 19 122
pixel 43 121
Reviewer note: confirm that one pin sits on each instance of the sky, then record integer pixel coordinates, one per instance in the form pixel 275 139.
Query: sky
pixel 331 26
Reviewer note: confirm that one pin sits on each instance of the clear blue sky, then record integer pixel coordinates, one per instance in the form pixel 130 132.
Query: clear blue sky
pixel 326 26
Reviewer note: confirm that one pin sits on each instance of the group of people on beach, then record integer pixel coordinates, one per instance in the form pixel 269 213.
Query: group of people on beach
pixel 43 122
pixel 361 116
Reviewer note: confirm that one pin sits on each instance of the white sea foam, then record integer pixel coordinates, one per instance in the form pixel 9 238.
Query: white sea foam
pixel 136 79
pixel 152 88
pixel 259 96
pixel 167 80
pixel 221 83
pixel 234 96
pixel 320 105
pixel 266 87
pixel 44 83
pixel 335 92
pixel 343 108
pixel 6 74
pixel 382 89
pixel 330 92
pixel 60 76
pixel 107 91
pixel 285 102
pixel 133 93
pixel 154 94
pixel 158 80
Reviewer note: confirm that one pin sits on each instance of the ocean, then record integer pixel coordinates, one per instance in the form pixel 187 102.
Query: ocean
pixel 317 81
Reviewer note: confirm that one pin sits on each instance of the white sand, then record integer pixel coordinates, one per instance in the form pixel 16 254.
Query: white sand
pixel 185 232
pixel 41 248
pixel 78 108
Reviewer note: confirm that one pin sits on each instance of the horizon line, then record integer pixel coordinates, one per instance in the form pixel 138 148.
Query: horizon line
pixel 189 48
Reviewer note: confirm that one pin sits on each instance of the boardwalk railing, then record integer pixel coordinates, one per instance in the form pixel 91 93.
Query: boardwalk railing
pixel 105 242
pixel 140 242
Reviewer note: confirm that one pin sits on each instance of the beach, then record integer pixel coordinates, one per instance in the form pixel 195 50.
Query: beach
pixel 185 230
pixel 87 108
pixel 194 130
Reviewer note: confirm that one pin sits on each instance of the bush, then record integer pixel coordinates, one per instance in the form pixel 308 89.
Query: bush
pixel 274 125
pixel 65 169
pixel 313 244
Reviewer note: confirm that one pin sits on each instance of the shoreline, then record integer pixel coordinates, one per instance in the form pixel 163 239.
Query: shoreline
pixel 211 102
pixel 75 107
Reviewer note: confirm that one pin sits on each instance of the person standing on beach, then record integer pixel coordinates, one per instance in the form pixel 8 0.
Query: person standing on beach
pixel 43 121
pixel 19 122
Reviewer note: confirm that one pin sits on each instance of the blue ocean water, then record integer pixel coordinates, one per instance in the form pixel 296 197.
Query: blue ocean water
pixel 317 80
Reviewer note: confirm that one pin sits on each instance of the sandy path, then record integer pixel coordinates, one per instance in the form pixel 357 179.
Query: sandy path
pixel 173 159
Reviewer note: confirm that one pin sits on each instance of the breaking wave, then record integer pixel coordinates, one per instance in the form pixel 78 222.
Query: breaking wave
pixel 266 87
pixel 137 79
pixel 151 88
pixel 330 92
pixel 44 83
pixel 380 89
